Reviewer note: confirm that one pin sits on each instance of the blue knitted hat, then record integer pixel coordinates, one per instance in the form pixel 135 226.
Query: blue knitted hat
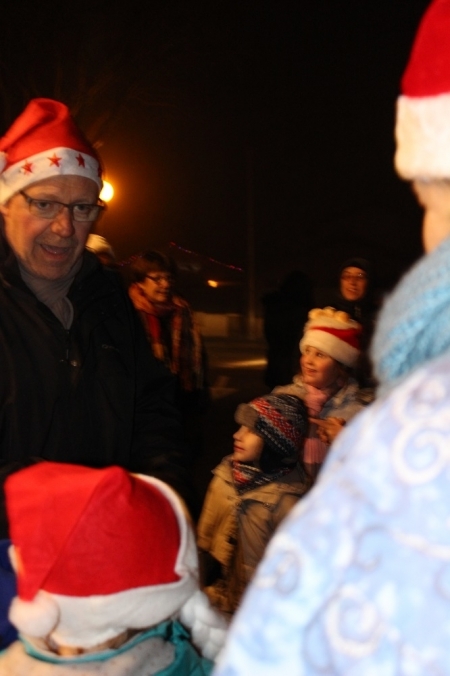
pixel 281 420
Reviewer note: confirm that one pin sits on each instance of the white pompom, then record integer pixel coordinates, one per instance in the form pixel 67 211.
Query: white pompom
pixel 37 617
pixel 207 625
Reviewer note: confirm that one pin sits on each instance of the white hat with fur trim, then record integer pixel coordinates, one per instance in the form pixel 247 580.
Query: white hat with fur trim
pixel 334 333
pixel 100 551
pixel 423 108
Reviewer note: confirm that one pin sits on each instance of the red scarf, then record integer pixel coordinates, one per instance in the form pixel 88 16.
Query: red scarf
pixel 184 354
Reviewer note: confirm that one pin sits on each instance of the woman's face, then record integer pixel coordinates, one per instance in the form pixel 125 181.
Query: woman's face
pixel 157 286
pixel 353 284
pixel 319 369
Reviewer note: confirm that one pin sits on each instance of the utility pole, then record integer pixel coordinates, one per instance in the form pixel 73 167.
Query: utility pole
pixel 251 265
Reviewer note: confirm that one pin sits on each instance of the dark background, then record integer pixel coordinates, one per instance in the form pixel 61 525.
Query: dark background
pixel 224 121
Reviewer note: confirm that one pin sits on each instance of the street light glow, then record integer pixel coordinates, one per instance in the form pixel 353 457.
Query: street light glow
pixel 107 192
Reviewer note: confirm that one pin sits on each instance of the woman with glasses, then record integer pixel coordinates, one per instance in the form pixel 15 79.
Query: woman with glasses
pixel 172 333
pixel 355 296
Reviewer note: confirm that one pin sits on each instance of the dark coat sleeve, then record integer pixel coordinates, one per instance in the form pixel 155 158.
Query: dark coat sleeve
pixel 158 447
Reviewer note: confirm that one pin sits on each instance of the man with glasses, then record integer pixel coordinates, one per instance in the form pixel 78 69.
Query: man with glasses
pixel 78 383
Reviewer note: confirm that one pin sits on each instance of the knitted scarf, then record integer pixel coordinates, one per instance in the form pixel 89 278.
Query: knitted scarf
pixel 247 477
pixel 414 323
pixel 183 356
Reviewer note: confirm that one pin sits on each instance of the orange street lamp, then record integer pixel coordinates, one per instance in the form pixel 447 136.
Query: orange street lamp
pixel 107 192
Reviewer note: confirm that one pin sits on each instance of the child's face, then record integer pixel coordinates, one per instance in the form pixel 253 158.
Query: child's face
pixel 248 446
pixel 319 369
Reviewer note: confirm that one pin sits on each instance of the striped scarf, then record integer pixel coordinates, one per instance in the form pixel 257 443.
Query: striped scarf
pixel 184 355
pixel 247 477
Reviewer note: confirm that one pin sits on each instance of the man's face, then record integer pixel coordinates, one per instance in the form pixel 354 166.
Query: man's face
pixel 353 283
pixel 49 248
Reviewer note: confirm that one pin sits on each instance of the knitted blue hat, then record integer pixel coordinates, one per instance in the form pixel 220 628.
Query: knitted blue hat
pixel 281 420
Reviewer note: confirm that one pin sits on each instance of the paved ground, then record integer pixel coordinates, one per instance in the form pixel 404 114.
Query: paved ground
pixel 236 374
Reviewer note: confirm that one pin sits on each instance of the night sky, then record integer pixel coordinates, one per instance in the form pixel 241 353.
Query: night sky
pixel 201 109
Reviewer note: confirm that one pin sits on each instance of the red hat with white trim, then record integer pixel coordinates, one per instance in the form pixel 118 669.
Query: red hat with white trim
pixel 334 333
pixel 100 551
pixel 44 141
pixel 423 108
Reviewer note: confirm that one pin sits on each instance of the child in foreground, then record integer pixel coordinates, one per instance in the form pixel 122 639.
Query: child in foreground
pixel 107 577
pixel 251 492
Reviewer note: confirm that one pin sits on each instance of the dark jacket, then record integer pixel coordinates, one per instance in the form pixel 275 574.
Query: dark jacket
pixel 92 395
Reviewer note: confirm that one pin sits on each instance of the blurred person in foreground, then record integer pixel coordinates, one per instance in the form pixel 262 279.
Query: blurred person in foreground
pixel 357 579
pixel 173 334
pixel 78 382
pixel 108 581
pixel 250 494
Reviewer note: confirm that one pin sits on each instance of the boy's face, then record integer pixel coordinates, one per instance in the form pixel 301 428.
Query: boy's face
pixel 248 446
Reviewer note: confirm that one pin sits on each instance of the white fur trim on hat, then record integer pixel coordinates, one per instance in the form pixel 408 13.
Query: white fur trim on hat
pixel 55 162
pixel 423 137
pixel 37 617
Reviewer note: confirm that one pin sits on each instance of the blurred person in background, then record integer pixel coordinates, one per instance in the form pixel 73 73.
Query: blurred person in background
pixel 356 297
pixel 285 313
pixel 173 335
pixel 102 249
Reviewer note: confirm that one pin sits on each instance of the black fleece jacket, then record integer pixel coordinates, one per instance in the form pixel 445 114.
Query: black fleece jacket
pixel 92 395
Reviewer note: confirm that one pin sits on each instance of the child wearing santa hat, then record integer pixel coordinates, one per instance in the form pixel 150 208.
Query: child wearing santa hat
pixel 330 349
pixel 251 492
pixel 107 577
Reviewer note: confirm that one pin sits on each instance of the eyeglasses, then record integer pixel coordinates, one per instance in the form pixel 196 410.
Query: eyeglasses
pixel 80 212
pixel 158 279
pixel 358 277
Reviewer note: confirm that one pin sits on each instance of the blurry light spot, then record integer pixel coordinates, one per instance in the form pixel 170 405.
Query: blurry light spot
pixel 107 192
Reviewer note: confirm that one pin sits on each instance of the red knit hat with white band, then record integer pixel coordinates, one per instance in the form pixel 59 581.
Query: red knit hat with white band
pixel 334 333
pixel 423 109
pixel 44 141
pixel 100 551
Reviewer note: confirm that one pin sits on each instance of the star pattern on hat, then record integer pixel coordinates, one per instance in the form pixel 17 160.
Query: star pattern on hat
pixel 80 160
pixel 27 168
pixel 55 160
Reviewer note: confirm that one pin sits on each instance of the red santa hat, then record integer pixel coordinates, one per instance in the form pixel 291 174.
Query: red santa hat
pixel 334 333
pixel 44 141
pixel 423 109
pixel 98 552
